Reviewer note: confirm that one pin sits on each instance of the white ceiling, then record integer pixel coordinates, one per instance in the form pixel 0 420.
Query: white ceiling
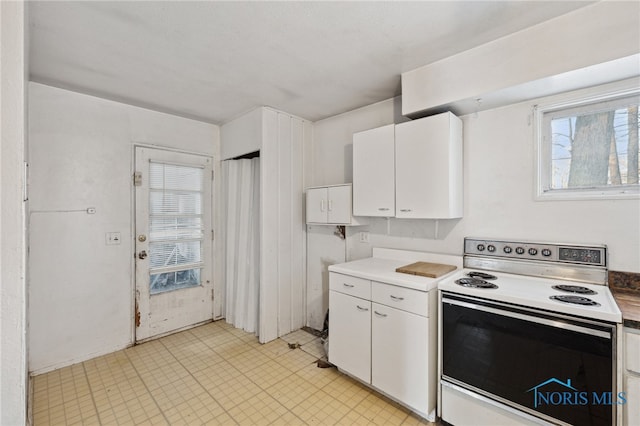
pixel 215 60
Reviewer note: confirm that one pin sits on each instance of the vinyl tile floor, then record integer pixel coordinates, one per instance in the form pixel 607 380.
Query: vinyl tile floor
pixel 213 374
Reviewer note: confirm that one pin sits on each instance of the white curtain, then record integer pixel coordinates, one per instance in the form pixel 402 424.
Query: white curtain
pixel 241 267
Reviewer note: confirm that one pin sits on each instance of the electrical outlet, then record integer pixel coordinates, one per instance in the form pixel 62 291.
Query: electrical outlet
pixel 364 237
pixel 112 238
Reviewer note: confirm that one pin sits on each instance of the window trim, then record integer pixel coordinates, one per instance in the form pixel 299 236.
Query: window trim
pixel 542 167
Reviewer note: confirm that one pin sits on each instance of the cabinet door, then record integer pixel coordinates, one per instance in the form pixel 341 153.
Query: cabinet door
pixel 631 409
pixel 339 204
pixel 350 334
pixel 374 172
pixel 400 356
pixel 317 205
pixel 632 350
pixel 429 168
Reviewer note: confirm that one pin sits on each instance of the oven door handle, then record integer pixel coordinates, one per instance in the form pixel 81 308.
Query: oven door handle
pixel 530 318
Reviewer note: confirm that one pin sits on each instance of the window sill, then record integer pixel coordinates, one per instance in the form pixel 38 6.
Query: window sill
pixel 623 193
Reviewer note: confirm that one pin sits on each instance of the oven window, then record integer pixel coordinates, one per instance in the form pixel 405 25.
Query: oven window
pixel 509 357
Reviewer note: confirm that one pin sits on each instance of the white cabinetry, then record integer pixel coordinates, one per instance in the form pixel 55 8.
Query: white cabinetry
pixel 429 167
pixel 330 204
pixel 631 376
pixel 350 344
pixel 631 409
pixel 409 170
pixel 399 355
pixel 382 334
pixel 374 172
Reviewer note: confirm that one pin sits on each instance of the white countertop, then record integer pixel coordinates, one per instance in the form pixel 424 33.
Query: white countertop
pixel 383 269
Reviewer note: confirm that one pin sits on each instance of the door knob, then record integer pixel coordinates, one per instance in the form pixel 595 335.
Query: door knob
pixel 142 254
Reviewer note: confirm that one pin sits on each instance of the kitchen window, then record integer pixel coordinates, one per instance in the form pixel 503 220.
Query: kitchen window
pixel 588 148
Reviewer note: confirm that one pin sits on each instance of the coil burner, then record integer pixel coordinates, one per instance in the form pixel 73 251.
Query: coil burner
pixel 575 300
pixel 475 283
pixel 578 289
pixel 482 275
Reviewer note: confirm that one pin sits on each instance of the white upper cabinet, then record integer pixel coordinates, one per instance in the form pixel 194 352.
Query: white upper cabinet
pixel 411 170
pixel 317 205
pixel 429 168
pixel 373 172
pixel 330 205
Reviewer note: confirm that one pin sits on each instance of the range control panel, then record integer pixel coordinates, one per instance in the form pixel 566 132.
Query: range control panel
pixel 565 253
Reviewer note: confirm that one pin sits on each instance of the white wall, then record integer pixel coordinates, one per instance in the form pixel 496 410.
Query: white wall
pixel 498 199
pixel 498 160
pixel 242 135
pixel 596 34
pixel 281 139
pixel 329 161
pixel 81 290
pixel 282 251
pixel 499 191
pixel 13 329
pixel 332 149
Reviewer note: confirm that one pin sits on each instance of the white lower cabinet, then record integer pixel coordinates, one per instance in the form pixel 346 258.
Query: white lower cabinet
pixel 631 377
pixel 385 338
pixel 350 340
pixel 399 355
pixel 631 409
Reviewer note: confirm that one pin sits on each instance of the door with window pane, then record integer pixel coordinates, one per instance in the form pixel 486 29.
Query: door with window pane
pixel 173 255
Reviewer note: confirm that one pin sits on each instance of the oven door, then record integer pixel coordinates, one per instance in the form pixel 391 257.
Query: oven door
pixel 551 366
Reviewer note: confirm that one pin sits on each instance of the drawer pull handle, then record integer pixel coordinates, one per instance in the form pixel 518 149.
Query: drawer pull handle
pixel 360 308
pixel 348 285
pixel 380 315
pixel 405 210
pixel 383 209
pixel 396 298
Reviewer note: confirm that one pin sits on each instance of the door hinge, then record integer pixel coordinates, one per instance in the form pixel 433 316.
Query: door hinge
pixel 213 175
pixel 137 179
pixel 212 235
pixel 25 182
pixel 137 319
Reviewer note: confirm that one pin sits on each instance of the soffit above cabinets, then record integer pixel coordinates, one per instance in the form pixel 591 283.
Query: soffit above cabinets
pixel 213 61
pixel 542 60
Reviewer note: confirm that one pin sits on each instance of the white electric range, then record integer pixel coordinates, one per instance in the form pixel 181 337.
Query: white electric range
pixel 528 335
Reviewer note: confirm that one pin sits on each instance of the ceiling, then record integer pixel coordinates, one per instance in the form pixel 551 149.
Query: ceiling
pixel 213 61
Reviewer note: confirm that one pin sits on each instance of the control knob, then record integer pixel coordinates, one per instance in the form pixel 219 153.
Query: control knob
pixel 533 251
pixel 507 249
pixel 480 247
pixel 546 252
pixel 519 250
pixel 491 248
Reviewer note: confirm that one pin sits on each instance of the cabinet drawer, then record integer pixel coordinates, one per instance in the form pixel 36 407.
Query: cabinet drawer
pixel 402 298
pixel 358 287
pixel 632 351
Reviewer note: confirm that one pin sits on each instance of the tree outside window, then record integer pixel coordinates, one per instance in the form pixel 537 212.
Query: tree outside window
pixel 592 146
